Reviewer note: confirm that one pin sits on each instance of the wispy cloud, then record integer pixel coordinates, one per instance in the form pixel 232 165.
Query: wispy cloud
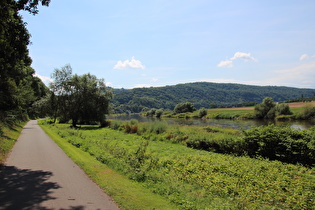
pixel 306 56
pixel 299 75
pixel 142 86
pixel 244 56
pixel 109 84
pixel 238 55
pixel 226 63
pixel 132 64
pixel 45 80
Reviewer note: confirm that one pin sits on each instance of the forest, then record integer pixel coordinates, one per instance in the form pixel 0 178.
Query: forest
pixel 202 94
pixel 19 88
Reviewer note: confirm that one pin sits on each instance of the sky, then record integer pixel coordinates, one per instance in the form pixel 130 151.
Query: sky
pixel 160 42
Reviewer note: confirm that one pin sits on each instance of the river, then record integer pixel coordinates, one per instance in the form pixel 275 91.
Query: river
pixel 225 123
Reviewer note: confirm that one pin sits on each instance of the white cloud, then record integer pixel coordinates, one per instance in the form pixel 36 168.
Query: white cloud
pixel 237 55
pixel 142 86
pixel 226 63
pixel 132 64
pixel 154 79
pixel 109 84
pixel 43 78
pixel 244 56
pixel 304 57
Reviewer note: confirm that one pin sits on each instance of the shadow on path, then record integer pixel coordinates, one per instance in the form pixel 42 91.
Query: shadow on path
pixel 26 189
pixel 23 188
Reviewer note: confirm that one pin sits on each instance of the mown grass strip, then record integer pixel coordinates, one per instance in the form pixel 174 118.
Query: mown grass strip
pixel 8 137
pixel 127 193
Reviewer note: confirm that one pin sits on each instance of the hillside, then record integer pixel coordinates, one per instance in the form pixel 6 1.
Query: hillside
pixel 202 94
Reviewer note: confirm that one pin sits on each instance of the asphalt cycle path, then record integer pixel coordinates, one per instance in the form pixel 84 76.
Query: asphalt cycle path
pixel 38 175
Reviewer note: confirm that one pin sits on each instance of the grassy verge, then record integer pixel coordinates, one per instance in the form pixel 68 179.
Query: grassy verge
pixel 8 137
pixel 189 178
pixel 127 193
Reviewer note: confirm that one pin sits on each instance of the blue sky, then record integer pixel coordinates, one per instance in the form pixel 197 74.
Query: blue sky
pixel 158 42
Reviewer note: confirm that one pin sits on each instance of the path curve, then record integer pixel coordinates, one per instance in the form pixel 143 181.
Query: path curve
pixel 39 175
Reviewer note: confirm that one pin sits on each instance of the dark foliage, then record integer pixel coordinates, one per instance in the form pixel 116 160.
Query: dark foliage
pixel 202 94
pixel 18 86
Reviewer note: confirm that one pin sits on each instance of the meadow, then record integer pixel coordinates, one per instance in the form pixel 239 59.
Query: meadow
pixel 298 109
pixel 159 158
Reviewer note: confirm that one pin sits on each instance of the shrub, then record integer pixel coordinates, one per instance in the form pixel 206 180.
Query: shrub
pixel 308 112
pixel 202 112
pixel 281 143
pixel 184 107
pixel 116 125
pixel 150 113
pixel 283 109
pixel 159 113
pixel 157 127
pixel 266 109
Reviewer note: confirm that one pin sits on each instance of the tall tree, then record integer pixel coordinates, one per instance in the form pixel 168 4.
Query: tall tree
pixel 80 98
pixel 266 109
pixel 16 91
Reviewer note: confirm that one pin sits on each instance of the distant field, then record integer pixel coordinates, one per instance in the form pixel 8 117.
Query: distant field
pixel 292 105
pixel 301 104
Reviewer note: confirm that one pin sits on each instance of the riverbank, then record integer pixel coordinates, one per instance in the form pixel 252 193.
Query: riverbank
pixel 189 178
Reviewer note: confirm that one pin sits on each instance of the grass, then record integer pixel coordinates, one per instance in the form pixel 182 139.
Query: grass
pixel 185 177
pixel 8 137
pixel 239 112
pixel 127 193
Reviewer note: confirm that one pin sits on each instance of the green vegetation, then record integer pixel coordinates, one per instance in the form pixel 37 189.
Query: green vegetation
pixel 127 193
pixel 19 88
pixel 81 99
pixel 202 94
pixel 157 157
pixel 269 109
pixel 8 136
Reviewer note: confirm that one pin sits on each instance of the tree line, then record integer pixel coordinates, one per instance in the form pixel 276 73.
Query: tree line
pixel 19 88
pixel 202 94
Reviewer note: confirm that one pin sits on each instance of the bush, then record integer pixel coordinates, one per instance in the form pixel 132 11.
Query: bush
pixel 150 113
pixel 283 109
pixel 157 127
pixel 202 112
pixel 266 109
pixel 281 143
pixel 308 112
pixel 184 107
pixel 159 113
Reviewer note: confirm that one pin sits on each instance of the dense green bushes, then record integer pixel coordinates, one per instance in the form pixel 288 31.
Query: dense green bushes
pixel 273 142
pixel 194 179
pixel 281 143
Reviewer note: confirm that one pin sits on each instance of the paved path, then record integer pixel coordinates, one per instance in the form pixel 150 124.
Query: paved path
pixel 39 175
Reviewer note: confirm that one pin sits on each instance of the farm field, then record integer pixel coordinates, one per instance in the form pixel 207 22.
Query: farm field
pixel 159 161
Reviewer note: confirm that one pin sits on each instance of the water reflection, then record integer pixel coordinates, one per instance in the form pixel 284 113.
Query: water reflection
pixel 225 123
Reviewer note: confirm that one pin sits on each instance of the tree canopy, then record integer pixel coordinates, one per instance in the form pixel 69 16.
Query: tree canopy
pixel 268 109
pixel 82 99
pixel 18 86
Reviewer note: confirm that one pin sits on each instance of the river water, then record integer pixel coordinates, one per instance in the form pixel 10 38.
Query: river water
pixel 225 123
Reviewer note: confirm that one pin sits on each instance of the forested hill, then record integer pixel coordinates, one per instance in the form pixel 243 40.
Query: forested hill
pixel 202 94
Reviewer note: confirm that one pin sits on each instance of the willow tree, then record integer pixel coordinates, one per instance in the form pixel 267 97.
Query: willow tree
pixel 83 99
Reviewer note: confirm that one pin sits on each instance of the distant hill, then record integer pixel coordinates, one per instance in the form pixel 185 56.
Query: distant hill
pixel 202 94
